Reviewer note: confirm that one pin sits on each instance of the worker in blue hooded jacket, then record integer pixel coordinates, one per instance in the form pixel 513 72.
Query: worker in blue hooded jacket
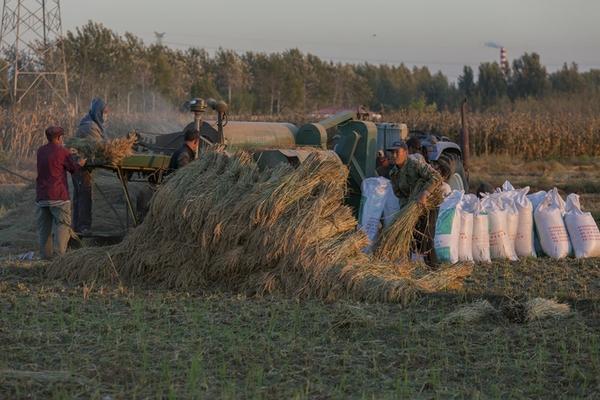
pixel 91 127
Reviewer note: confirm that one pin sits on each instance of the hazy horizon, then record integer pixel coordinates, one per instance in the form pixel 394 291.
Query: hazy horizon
pixel 440 34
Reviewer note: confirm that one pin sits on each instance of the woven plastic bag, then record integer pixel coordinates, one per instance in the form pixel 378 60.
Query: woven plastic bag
pixel 582 228
pixel 548 216
pixel 447 228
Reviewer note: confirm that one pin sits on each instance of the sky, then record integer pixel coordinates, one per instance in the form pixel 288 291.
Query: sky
pixel 441 34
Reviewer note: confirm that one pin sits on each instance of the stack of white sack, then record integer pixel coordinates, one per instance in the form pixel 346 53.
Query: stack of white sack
pixel 582 229
pixel 504 225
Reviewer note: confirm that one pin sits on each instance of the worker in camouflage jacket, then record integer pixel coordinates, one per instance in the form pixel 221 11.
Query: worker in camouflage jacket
pixel 415 180
pixel 91 127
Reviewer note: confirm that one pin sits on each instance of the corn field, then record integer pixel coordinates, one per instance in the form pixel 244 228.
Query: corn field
pixel 528 136
pixel 22 132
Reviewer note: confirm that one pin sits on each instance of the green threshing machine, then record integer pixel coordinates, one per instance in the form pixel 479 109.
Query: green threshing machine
pixel 352 139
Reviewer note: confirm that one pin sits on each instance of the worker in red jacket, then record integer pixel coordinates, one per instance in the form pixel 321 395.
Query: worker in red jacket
pixel 52 193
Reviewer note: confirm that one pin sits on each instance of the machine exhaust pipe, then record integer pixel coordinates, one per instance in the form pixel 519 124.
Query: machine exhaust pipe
pixel 221 108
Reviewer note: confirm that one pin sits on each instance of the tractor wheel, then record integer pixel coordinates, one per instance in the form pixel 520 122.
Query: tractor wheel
pixel 452 170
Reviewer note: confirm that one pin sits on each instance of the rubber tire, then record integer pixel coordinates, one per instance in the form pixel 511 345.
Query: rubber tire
pixel 449 165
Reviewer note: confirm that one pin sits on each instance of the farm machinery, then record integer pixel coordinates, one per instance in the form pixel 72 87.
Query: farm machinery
pixel 345 135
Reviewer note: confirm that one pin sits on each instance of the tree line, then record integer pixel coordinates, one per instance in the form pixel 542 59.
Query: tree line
pixel 123 69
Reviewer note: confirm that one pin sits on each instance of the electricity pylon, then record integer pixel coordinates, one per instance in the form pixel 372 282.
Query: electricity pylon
pixel 33 54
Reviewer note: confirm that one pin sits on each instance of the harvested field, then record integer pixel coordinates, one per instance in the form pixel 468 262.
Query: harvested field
pixel 61 341
pixel 537 277
pixel 94 338
pixel 109 212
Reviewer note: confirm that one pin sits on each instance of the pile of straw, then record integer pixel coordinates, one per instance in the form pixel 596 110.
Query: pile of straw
pixel 515 311
pixel 111 151
pixel 540 308
pixel 223 224
pixel 397 240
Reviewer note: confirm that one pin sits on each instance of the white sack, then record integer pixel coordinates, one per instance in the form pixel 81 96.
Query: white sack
pixel 481 237
pixel 525 241
pixel 469 204
pixel 536 198
pixel 512 221
pixel 447 228
pixel 371 207
pixel 548 216
pixel 391 206
pixel 500 248
pixel 507 187
pixel 582 229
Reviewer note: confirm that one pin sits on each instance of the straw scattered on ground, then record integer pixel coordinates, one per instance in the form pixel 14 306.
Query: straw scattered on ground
pixel 514 311
pixel 540 308
pixel 470 313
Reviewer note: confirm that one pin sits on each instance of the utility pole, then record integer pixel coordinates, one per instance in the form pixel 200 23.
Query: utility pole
pixel 464 136
pixel 32 46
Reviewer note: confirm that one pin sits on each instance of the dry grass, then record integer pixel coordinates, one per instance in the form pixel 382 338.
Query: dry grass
pixel 396 242
pixel 471 313
pixel 221 223
pixel 111 151
pixel 514 311
pixel 22 131
pixel 540 308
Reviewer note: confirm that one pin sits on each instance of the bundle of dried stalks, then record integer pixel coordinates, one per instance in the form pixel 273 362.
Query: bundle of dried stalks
pixel 397 240
pixel 221 223
pixel 110 151
pixel 540 308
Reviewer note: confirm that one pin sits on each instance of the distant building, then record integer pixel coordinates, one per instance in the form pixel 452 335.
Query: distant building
pixel 361 111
